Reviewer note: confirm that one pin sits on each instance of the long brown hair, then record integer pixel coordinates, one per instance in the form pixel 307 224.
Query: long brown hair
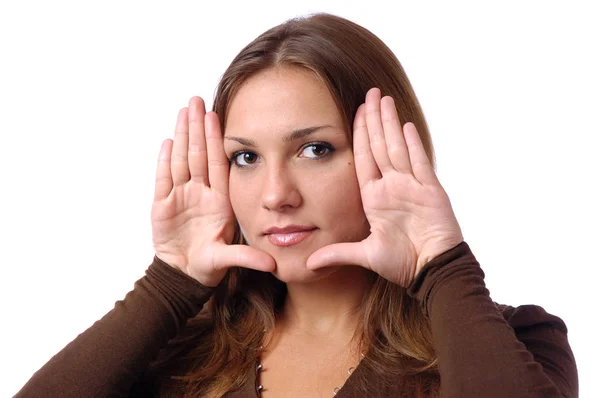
pixel 218 349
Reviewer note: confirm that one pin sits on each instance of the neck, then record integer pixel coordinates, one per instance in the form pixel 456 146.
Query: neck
pixel 328 307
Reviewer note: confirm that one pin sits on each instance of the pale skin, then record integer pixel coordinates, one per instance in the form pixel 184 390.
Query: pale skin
pixel 374 201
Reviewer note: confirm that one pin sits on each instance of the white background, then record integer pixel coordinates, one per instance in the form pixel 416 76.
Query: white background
pixel 89 91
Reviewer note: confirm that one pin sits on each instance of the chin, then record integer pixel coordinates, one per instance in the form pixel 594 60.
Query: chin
pixel 291 261
pixel 296 272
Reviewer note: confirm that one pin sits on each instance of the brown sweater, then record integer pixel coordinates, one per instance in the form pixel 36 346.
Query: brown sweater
pixel 484 349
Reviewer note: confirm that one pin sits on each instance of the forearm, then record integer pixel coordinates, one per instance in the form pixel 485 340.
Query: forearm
pixel 110 356
pixel 479 352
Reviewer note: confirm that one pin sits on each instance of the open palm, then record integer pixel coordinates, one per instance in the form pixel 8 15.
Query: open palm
pixel 410 214
pixel 192 219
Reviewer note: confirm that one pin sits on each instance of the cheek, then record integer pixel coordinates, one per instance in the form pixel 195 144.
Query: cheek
pixel 339 196
pixel 241 196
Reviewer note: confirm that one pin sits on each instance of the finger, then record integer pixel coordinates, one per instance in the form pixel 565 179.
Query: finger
pixel 394 137
pixel 375 129
pixel 366 168
pixel 197 161
pixel 179 157
pixel 338 254
pixel 421 166
pixel 164 182
pixel 218 165
pixel 243 256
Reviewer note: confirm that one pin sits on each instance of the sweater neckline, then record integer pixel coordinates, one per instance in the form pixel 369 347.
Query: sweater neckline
pixel 342 392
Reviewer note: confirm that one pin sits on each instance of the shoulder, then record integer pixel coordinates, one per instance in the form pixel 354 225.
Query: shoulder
pixel 528 315
pixel 544 336
pixel 181 355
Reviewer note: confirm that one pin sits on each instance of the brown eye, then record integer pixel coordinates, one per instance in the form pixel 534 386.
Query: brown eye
pixel 316 151
pixel 244 159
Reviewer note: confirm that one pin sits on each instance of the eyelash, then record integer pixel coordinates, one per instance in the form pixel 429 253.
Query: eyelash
pixel 329 147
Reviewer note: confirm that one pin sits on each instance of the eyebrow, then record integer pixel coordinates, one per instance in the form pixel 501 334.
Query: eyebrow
pixel 294 135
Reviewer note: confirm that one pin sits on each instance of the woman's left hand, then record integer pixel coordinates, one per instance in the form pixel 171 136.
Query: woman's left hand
pixel 408 210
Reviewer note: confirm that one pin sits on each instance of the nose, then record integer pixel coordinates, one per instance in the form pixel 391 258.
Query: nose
pixel 280 191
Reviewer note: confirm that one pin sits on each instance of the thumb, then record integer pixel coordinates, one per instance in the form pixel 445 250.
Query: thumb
pixel 244 256
pixel 338 254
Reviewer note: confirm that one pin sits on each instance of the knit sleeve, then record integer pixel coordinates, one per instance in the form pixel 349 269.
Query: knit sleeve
pixel 107 358
pixel 489 350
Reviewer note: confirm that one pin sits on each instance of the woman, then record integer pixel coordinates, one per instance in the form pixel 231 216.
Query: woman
pixel 349 275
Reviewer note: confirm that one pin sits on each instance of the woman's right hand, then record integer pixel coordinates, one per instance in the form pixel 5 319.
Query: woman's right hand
pixel 192 219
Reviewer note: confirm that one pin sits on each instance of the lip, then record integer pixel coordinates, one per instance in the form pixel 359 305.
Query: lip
pixel 288 235
pixel 288 229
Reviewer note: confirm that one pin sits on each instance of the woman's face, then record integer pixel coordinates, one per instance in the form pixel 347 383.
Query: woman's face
pixel 292 182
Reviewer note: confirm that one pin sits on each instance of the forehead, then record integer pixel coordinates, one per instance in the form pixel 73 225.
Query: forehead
pixel 280 100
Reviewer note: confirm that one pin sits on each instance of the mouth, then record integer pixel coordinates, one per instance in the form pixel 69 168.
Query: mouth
pixel 288 236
